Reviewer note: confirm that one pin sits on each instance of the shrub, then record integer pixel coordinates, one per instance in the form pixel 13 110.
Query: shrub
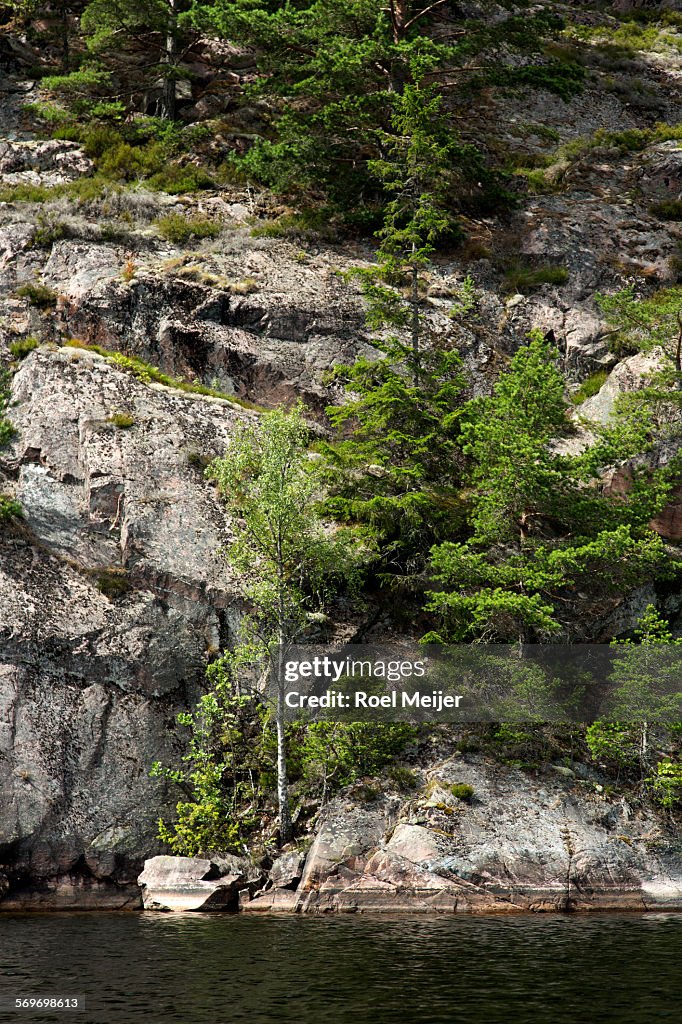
pixel 39 295
pixel 462 791
pixel 177 228
pixel 113 582
pixel 403 778
pixel 122 420
pixel 9 508
pixel 667 783
pixel 25 193
pixel 20 349
pixel 669 209
pixel 48 232
pixel 523 279
pixel 307 226
pixel 590 387
pixel 175 179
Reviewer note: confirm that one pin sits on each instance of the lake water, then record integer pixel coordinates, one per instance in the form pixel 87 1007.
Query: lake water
pixel 202 969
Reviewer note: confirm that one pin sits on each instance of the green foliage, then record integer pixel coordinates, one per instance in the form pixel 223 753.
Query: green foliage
pixel 644 690
pixel 628 140
pixel 177 228
pixel 647 324
pixel 590 387
pixel 613 742
pixel 645 680
pixel 525 279
pixel 399 471
pixel 49 231
pixel 565 78
pixel 122 420
pixel 335 754
pixel 311 225
pixel 541 530
pixel 146 374
pixel 404 778
pixel 7 431
pixel 226 771
pixel 117 30
pixel 667 783
pixel 10 508
pixel 462 790
pixel 288 566
pixel 668 209
pixel 324 132
pixel 287 563
pixel 39 295
pixel 20 349
pixel 25 193
pixel 81 92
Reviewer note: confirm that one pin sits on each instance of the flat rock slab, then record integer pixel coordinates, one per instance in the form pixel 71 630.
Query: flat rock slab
pixel 181 884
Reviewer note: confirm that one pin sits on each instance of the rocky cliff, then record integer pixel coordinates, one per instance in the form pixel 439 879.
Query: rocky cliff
pixel 113 593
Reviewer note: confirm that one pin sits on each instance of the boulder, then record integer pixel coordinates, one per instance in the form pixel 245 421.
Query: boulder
pixel 181 884
pixel 287 870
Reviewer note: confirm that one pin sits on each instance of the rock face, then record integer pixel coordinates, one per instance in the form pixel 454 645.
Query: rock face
pixel 111 595
pixel 554 843
pixel 181 884
pixel 112 591
pixel 42 163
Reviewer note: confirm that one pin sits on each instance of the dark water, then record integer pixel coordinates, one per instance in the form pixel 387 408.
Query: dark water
pixel 154 968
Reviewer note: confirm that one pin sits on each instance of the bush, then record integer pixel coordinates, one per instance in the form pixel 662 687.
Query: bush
pixel 667 783
pixel 177 228
pixel 590 387
pixel 20 349
pixel 669 209
pixel 307 226
pixel 9 508
pixel 39 295
pixel 122 420
pixel 25 193
pixel 523 279
pixel 335 754
pixel 462 791
pixel 403 778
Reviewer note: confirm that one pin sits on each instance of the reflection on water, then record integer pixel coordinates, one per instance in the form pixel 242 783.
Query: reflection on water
pixel 203 969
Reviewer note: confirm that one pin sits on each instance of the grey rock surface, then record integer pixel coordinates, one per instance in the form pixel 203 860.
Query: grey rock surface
pixel 112 593
pixel 550 843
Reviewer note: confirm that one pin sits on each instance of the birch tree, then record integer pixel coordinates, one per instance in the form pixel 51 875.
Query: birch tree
pixel 287 561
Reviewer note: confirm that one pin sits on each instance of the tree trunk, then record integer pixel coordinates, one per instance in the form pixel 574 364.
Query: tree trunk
pixel 644 748
pixel 66 55
pixel 282 779
pixel 168 97
pixel 415 321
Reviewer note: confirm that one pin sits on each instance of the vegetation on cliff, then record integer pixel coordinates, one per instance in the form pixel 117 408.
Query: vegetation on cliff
pixel 476 508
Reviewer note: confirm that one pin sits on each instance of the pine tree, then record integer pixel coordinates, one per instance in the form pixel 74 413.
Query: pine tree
pixel 546 540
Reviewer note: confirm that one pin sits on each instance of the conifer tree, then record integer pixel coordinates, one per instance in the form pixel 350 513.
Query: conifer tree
pixel 545 536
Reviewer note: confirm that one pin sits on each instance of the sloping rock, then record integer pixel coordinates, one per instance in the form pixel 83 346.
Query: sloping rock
pixel 346 836
pixel 555 844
